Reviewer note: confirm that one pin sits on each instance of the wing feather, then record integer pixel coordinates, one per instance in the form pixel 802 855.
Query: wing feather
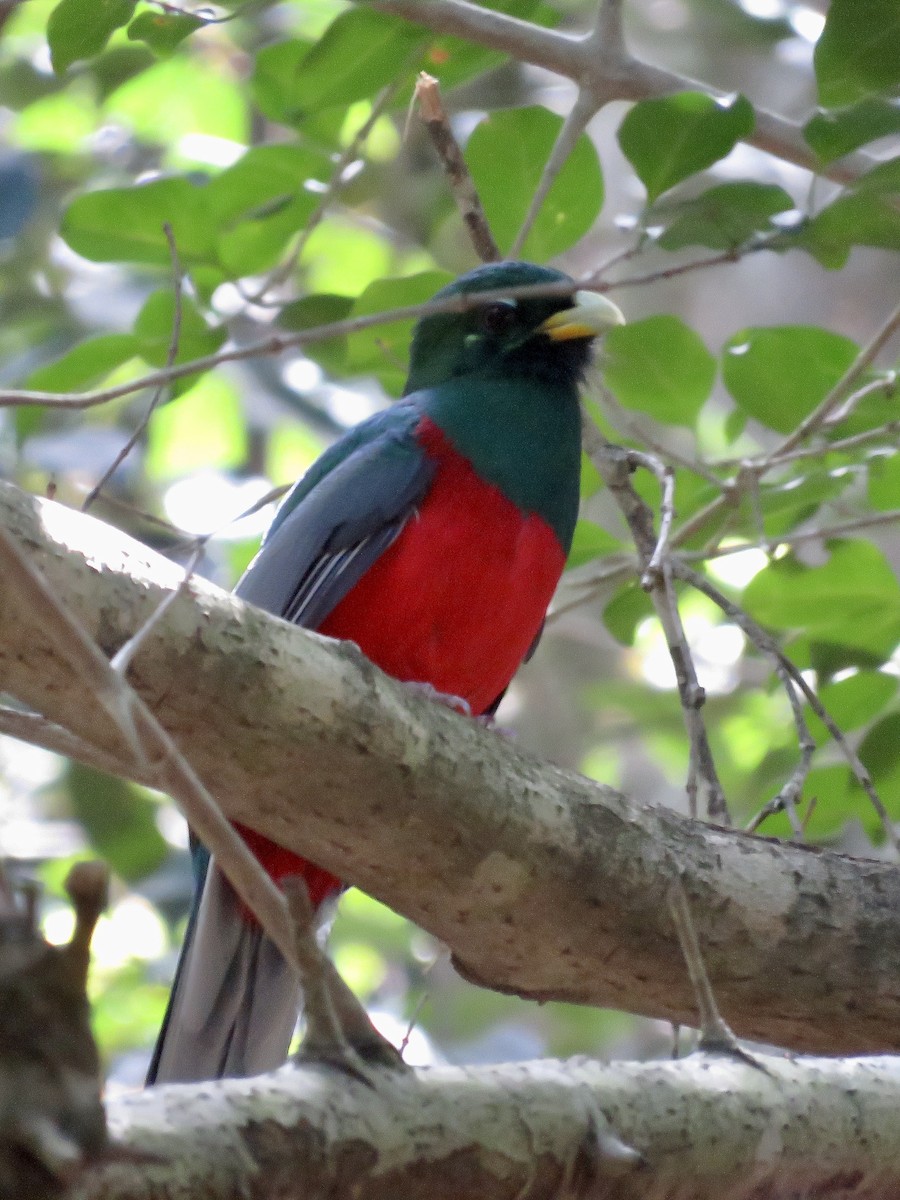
pixel 337 527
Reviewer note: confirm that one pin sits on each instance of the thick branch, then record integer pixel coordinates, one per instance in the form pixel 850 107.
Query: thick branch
pixel 703 1128
pixel 541 882
pixel 607 72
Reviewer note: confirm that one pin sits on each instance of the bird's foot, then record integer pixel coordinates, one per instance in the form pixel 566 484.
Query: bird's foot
pixel 428 691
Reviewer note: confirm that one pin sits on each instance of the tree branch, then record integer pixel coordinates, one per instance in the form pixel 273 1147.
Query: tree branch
pixel 703 1127
pixel 605 70
pixel 541 882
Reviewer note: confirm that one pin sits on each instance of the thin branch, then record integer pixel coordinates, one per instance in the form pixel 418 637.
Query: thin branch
pixel 884 432
pixel 171 355
pixel 338 1029
pixel 786 668
pixel 615 465
pixel 700 264
pixel 277 344
pixel 121 660
pixel 843 388
pixel 716 1036
pixel 38 731
pixel 283 271
pixel 577 120
pixel 133 719
pixel 613 75
pixel 666 477
pixel 462 186
pixel 822 533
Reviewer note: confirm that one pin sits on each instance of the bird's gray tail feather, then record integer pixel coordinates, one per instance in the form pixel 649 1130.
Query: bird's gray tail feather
pixel 235 1000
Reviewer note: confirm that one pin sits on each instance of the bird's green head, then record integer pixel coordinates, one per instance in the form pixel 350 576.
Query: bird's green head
pixel 538 337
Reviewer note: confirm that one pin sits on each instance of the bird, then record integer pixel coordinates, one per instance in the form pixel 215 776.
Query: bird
pixel 432 535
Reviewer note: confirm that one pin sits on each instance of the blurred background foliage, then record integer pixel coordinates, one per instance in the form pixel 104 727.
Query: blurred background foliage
pixel 275 140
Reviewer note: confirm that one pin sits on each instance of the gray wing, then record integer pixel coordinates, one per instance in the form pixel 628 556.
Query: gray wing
pixel 335 530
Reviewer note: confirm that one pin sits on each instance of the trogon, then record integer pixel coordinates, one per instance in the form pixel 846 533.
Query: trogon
pixel 432 535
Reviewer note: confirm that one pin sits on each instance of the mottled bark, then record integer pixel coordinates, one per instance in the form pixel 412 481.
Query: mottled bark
pixel 701 1128
pixel 541 882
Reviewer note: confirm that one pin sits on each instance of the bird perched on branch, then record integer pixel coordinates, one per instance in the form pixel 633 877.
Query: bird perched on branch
pixel 432 535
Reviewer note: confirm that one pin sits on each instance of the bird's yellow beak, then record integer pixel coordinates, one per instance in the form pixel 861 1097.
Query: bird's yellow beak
pixel 591 315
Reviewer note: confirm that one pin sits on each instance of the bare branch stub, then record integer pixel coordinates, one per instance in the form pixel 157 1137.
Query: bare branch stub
pixel 52 1122
pixel 462 185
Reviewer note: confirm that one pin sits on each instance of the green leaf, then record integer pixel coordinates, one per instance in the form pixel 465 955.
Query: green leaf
pixel 852 702
pixel 85 364
pixel 260 202
pixel 274 72
pixel 81 28
pixel 452 60
pixel 661 367
pixel 345 257
pixel 119 818
pixel 786 505
pixel 359 53
pixel 885 178
pixel 854 219
pixel 126 224
pixel 154 325
pixel 590 541
pixel 723 217
pixel 884 481
pixel 668 139
pixel 625 611
pixel 880 749
pixel 179 98
pixel 778 375
pixel 506 155
pixel 383 350
pixel 163 31
pixel 59 124
pixel 321 309
pixel 858 53
pixel 834 133
pixel 204 428
pixel 853 599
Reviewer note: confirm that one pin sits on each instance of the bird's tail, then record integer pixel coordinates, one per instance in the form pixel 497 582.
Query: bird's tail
pixel 235 1000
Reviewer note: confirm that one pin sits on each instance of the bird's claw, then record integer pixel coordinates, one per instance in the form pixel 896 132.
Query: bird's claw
pixel 429 692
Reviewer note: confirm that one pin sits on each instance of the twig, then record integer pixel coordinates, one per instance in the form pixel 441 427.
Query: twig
pixel 462 186
pixel 838 529
pixel 716 1036
pixel 586 106
pixel 338 1029
pixel 121 660
pixel 38 731
pixel 835 397
pixel 890 430
pixel 843 387
pixel 277 344
pixel 171 355
pixel 786 669
pixel 133 718
pixel 666 477
pixel 700 264
pixel 284 270
pixel 615 465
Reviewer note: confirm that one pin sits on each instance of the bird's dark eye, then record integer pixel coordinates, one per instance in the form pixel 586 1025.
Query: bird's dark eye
pixel 499 318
